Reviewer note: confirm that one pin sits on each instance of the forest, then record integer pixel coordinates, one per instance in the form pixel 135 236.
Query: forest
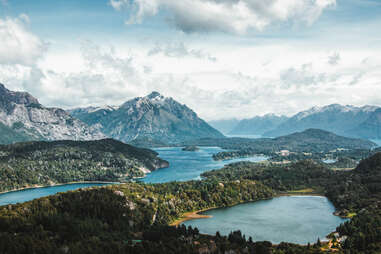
pixel 46 163
pixel 134 217
pixel 356 194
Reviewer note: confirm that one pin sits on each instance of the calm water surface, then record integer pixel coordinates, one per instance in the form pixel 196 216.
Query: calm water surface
pixel 296 219
pixel 329 161
pixel 292 219
pixel 186 166
pixel 183 166
pixel 29 194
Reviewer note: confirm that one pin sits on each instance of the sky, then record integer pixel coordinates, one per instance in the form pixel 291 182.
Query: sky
pixel 223 58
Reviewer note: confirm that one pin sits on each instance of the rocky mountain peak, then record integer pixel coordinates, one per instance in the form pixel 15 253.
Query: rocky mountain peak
pixel 154 117
pixel 8 97
pixel 23 115
pixel 154 95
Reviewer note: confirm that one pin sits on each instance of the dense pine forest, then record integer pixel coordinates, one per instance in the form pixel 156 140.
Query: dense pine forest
pixel 134 217
pixel 47 163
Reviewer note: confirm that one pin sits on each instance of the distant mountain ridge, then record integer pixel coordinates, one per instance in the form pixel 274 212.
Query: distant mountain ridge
pixel 370 128
pixel 310 140
pixel 350 121
pixel 258 125
pixel 342 120
pixel 154 117
pixel 225 125
pixel 23 118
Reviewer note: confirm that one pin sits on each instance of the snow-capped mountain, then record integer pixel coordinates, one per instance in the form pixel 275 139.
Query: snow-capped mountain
pixel 335 118
pixel 154 116
pixel 24 117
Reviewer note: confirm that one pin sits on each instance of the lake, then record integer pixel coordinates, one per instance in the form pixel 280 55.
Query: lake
pixel 296 219
pixel 183 166
pixel 33 193
pixel 292 219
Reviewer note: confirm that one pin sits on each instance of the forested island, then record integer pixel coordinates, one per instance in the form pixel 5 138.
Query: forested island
pixel 134 217
pixel 48 163
pixel 190 148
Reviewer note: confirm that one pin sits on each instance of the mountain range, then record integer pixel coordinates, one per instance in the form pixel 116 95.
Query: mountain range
pixel 224 125
pixel 310 140
pixel 162 120
pixel 23 118
pixel 258 125
pixel 154 117
pixel 350 121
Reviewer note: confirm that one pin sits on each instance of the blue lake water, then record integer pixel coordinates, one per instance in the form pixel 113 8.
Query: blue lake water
pixel 254 136
pixel 186 165
pixel 329 161
pixel 291 219
pixel 183 166
pixel 296 219
pixel 33 193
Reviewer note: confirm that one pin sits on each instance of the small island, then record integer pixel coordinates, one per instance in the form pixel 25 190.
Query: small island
pixel 191 148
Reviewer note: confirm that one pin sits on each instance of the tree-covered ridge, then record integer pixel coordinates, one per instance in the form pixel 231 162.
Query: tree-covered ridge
pixel 106 220
pixel 133 217
pixel 45 163
pixel 313 141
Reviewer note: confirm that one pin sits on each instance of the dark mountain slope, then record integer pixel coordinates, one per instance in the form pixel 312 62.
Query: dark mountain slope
pixel 370 128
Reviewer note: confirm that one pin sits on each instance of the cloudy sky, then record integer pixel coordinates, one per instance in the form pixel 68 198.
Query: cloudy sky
pixel 223 58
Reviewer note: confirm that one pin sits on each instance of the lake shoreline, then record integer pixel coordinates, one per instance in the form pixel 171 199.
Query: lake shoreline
pixel 191 216
pixel 58 184
pixel 196 214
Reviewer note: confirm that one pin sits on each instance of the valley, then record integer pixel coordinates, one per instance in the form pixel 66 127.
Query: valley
pixel 190 127
pixel 103 193
pixel 140 211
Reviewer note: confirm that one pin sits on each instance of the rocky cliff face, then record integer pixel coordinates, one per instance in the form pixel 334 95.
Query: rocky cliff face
pixel 22 114
pixel 154 116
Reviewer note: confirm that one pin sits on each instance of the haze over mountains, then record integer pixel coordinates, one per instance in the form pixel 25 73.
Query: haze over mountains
pixel 258 125
pixel 23 118
pixel 154 116
pixel 351 121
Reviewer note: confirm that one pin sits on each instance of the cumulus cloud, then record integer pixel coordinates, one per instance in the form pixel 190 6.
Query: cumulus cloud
pixel 178 50
pixel 18 45
pixel 118 4
pixel 334 59
pixel 302 76
pixel 233 16
pixel 110 76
